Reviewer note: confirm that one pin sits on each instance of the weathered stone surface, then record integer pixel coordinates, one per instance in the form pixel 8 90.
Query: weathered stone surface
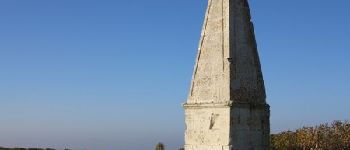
pixel 226 108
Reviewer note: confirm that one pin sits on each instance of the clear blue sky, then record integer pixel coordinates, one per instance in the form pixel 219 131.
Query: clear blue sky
pixel 112 74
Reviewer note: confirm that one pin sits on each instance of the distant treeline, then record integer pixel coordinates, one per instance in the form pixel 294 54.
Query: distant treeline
pixel 334 136
pixel 2 148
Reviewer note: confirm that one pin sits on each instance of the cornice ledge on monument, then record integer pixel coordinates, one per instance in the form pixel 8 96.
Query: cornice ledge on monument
pixel 222 104
pixel 225 104
pixel 250 104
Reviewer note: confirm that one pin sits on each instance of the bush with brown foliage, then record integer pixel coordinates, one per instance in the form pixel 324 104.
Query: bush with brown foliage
pixel 160 146
pixel 335 136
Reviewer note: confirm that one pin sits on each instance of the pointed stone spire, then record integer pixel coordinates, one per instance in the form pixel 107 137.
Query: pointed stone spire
pixel 228 66
pixel 226 107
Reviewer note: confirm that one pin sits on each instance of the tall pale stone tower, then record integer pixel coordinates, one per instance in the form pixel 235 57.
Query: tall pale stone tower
pixel 226 108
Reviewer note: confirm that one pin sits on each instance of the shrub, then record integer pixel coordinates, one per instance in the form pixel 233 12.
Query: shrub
pixel 160 146
pixel 335 136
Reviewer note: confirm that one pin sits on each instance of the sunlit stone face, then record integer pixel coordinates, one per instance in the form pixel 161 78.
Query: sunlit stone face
pixel 226 107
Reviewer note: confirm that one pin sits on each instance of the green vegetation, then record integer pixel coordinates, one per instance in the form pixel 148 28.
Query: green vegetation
pixel 334 136
pixel 2 148
pixel 160 146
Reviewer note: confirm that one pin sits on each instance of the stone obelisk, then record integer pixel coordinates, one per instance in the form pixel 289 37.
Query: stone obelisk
pixel 226 107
